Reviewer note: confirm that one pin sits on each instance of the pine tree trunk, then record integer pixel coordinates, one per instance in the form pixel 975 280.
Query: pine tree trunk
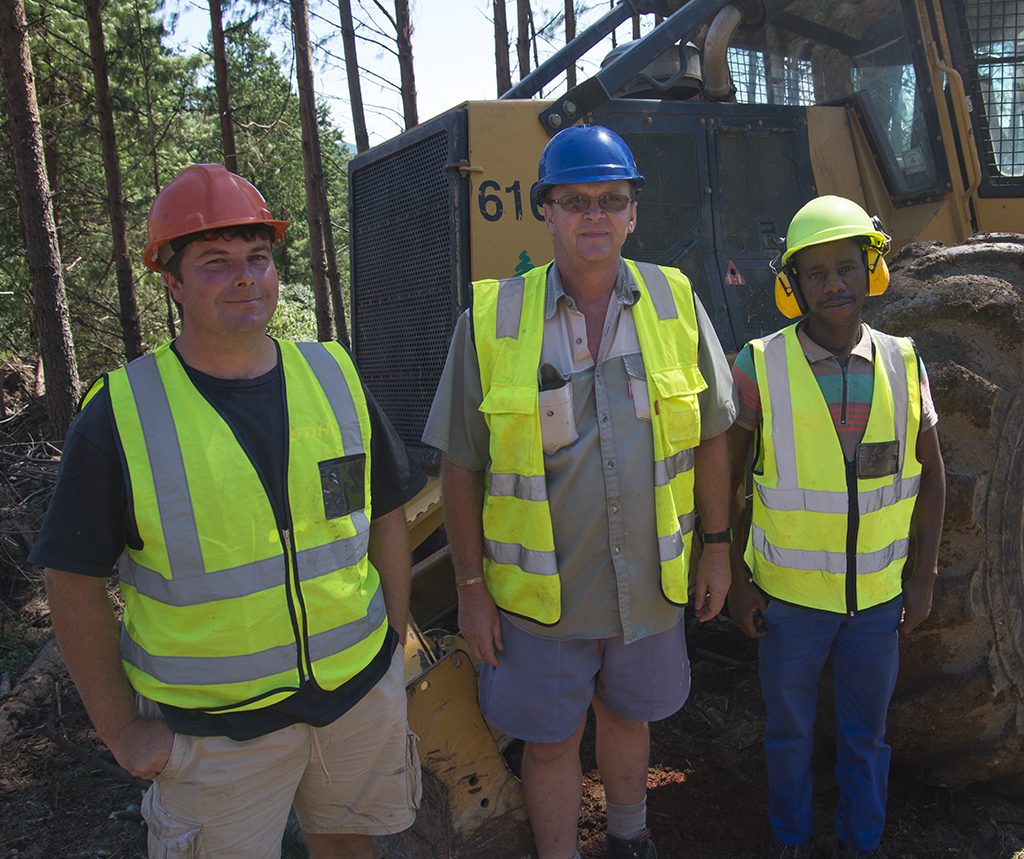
pixel 130 333
pixel 151 151
pixel 636 26
pixel 501 64
pixel 313 167
pixel 570 34
pixel 220 73
pixel 523 36
pixel 43 252
pixel 403 30
pixel 355 92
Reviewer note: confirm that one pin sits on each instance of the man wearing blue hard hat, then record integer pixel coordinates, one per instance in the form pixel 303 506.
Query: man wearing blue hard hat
pixel 582 413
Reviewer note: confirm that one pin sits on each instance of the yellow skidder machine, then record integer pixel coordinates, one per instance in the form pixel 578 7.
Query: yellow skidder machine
pixel 738 112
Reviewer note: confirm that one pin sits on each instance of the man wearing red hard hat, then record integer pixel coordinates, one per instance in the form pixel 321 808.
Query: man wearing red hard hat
pixel 263 561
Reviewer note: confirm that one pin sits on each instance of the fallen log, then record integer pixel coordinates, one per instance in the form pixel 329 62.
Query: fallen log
pixel 35 687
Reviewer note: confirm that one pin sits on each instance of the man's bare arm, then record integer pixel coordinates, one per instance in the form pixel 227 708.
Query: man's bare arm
pixel 711 489
pixel 87 632
pixel 746 602
pixel 928 513
pixel 463 494
pixel 389 554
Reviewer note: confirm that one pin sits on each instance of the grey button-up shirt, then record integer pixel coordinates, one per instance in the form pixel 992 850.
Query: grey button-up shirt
pixel 599 457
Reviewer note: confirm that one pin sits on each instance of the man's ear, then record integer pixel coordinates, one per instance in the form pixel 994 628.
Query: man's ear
pixel 172 284
pixel 549 211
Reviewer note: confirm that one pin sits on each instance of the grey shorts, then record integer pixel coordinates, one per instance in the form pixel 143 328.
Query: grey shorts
pixel 542 688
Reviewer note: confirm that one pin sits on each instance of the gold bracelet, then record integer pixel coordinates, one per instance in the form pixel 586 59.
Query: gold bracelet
pixel 465 583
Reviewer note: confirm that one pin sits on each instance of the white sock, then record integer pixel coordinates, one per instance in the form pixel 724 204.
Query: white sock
pixel 627 821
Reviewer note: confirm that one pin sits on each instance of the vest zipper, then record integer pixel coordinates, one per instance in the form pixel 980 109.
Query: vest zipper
pixel 292 587
pixel 852 527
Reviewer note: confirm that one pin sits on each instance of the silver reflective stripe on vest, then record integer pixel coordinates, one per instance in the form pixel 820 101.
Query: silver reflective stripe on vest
pixel 783 432
pixel 246 579
pixel 518 486
pixel 824 501
pixel 177 518
pixel 812 560
pixel 659 290
pixel 888 348
pixel 671 547
pixel 528 560
pixel 678 463
pixel 335 387
pixel 510 307
pixel 331 641
pixel 216 670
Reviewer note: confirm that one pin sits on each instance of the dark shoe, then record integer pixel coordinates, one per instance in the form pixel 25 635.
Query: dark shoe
pixel 641 847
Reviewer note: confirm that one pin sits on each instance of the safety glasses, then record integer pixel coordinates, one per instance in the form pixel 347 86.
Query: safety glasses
pixel 580 203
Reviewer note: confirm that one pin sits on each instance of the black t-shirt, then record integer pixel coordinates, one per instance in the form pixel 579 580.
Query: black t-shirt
pixel 89 522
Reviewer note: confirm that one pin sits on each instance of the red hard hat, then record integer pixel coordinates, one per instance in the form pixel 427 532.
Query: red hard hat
pixel 200 198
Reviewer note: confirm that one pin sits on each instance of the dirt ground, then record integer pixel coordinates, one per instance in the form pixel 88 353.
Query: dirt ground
pixel 706 798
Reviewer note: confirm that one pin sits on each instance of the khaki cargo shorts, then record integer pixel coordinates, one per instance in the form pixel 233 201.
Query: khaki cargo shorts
pixel 221 798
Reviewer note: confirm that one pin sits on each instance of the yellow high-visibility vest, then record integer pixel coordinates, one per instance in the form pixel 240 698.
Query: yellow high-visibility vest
pixel 826 533
pixel 225 609
pixel 520 565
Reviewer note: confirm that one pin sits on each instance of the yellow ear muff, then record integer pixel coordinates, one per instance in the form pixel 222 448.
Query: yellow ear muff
pixel 878 271
pixel 785 296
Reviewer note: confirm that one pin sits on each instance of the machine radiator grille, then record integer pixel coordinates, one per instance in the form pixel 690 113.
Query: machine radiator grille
pixel 405 272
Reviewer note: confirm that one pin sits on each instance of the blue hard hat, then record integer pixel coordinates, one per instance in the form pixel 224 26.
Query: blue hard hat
pixel 584 153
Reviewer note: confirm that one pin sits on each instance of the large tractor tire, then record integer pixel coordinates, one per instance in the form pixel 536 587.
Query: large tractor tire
pixel 958 714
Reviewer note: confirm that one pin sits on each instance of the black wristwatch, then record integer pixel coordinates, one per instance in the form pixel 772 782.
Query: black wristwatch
pixel 717 536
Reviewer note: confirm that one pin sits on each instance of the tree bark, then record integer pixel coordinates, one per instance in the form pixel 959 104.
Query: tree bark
pixel 523 36
pixel 570 34
pixel 313 167
pixel 154 158
pixel 220 73
pixel 355 92
pixel 501 64
pixel 403 39
pixel 43 252
pixel 130 332
pixel 636 27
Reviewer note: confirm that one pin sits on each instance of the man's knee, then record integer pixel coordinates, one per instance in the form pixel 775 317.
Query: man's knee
pixel 545 754
pixel 609 720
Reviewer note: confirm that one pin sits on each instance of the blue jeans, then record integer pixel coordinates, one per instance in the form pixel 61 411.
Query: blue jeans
pixel 865 658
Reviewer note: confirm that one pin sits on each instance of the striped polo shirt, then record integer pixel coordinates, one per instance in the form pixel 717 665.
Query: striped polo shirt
pixel 847 389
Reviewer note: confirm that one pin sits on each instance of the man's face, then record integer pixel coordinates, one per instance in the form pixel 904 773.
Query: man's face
pixel 228 285
pixel 592 237
pixel 834 282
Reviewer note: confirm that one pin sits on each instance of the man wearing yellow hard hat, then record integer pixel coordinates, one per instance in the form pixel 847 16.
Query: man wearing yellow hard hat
pixel 846 467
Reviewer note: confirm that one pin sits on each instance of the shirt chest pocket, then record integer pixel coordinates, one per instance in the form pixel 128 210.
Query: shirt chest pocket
pixel 637 379
pixel 557 418
pixel 675 402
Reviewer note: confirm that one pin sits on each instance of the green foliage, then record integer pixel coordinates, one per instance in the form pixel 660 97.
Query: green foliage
pixel 165 113
pixel 294 318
